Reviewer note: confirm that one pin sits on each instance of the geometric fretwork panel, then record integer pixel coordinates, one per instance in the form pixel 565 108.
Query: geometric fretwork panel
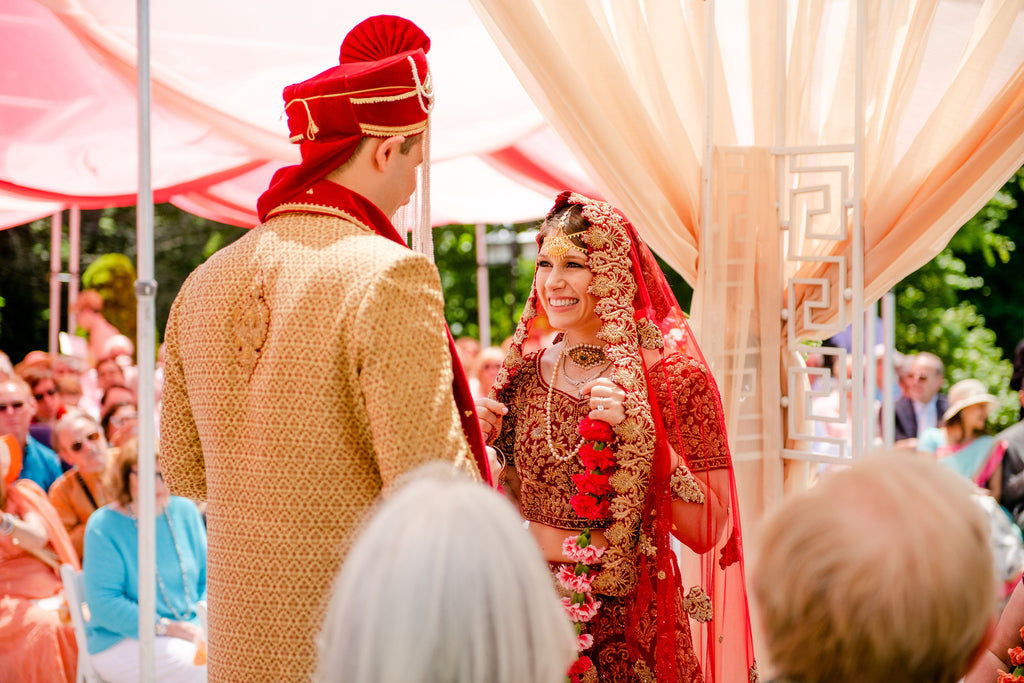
pixel 822 265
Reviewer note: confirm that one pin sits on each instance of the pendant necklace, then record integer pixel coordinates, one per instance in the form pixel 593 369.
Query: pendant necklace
pixel 581 382
pixel 181 565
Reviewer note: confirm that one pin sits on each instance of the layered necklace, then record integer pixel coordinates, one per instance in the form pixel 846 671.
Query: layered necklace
pixel 559 455
pixel 181 565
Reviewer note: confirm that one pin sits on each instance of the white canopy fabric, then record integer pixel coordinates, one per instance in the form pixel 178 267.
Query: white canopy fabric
pixel 68 111
pixel 791 158
pixel 786 156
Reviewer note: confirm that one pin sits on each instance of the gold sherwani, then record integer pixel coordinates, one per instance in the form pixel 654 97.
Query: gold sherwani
pixel 306 367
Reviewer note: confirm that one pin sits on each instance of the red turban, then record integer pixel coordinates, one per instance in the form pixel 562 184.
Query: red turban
pixel 381 87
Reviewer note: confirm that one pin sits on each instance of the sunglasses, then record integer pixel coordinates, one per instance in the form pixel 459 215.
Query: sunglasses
pixel 77 446
pixel 48 392
pixel 159 475
pixel 15 405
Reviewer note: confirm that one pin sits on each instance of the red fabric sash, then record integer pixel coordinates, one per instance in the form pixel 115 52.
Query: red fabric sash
pixel 332 197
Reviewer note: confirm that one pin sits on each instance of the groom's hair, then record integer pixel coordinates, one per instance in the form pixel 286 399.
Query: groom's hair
pixel 882 572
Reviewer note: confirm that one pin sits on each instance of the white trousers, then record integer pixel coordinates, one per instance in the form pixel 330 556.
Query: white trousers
pixel 173 662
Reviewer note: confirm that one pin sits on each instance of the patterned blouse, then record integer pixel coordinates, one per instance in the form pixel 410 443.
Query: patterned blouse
pixel 546 481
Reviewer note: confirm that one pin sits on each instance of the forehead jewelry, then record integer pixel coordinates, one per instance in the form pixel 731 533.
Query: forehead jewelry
pixel 557 243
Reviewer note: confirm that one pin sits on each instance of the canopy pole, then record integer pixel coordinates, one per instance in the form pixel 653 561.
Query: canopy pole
pixel 56 266
pixel 74 263
pixel 145 290
pixel 483 286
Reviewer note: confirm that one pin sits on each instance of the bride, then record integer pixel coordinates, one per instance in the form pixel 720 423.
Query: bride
pixel 612 440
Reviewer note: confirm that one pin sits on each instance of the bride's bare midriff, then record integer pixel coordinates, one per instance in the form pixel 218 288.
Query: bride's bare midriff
pixel 550 539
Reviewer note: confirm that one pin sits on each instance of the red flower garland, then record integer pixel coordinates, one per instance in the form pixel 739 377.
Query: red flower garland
pixel 593 501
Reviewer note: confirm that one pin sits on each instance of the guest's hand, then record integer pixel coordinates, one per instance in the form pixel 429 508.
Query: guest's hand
pixel 606 400
pixel 489 413
pixel 185 631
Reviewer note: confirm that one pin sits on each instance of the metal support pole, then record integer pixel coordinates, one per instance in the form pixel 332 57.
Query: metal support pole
pixel 56 266
pixel 145 290
pixel 483 286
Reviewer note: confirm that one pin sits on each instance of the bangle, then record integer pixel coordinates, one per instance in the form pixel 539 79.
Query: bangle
pixel 7 524
pixel 161 626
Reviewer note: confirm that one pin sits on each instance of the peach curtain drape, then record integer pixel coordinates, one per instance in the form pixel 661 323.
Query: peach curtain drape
pixel 748 184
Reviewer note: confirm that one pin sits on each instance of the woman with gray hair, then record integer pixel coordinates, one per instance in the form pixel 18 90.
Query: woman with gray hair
pixel 443 585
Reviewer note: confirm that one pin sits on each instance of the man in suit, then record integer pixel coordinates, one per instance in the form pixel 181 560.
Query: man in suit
pixel 924 407
pixel 308 363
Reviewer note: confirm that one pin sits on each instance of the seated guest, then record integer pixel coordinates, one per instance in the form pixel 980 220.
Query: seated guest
pixel 881 572
pixel 444 584
pixel 962 444
pixel 48 404
pixel 485 370
pixel 111 572
pixel 36 645
pixel 115 395
pixel 38 462
pixel 121 423
pixel 84 488
pixel 923 406
pixel 69 389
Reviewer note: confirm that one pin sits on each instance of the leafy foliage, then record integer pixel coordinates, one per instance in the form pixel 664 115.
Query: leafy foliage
pixel 113 278
pixel 939 307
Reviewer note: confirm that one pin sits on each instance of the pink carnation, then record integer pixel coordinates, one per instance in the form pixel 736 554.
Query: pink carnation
pixel 569 579
pixel 584 641
pixel 581 612
pixel 574 552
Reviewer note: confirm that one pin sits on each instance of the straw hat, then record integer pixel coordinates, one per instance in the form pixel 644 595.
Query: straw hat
pixel 967 393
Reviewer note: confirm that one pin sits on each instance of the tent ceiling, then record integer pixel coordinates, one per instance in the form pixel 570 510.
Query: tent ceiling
pixel 68 111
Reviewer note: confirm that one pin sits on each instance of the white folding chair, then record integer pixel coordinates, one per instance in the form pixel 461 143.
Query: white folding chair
pixel 74 592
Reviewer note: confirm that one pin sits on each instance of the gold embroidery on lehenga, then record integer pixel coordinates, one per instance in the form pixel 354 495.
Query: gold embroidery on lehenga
pixel 643 672
pixel 698 605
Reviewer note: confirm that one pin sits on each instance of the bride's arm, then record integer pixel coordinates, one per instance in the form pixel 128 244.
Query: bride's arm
pixel 699 515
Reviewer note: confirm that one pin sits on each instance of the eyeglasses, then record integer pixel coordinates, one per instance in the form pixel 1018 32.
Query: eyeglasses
pixel 120 420
pixel 159 475
pixel 15 405
pixel 77 446
pixel 920 378
pixel 48 392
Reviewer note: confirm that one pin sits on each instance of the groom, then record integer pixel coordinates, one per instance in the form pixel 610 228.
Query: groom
pixel 308 364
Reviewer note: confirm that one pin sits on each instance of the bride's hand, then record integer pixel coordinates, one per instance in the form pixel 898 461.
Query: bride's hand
pixel 489 413
pixel 606 401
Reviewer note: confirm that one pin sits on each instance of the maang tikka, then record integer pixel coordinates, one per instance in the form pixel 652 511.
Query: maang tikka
pixel 558 243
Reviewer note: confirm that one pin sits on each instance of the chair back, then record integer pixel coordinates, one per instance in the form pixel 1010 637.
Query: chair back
pixel 74 593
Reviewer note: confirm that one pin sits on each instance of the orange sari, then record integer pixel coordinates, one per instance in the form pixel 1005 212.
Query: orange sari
pixel 36 644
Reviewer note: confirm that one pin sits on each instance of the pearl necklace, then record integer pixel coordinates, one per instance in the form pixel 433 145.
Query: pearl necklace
pixel 181 565
pixel 559 455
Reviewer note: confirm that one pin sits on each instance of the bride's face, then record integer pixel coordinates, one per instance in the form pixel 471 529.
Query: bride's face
pixel 562 283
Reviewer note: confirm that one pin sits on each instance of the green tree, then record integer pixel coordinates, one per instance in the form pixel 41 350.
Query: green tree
pixel 113 278
pixel 945 306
